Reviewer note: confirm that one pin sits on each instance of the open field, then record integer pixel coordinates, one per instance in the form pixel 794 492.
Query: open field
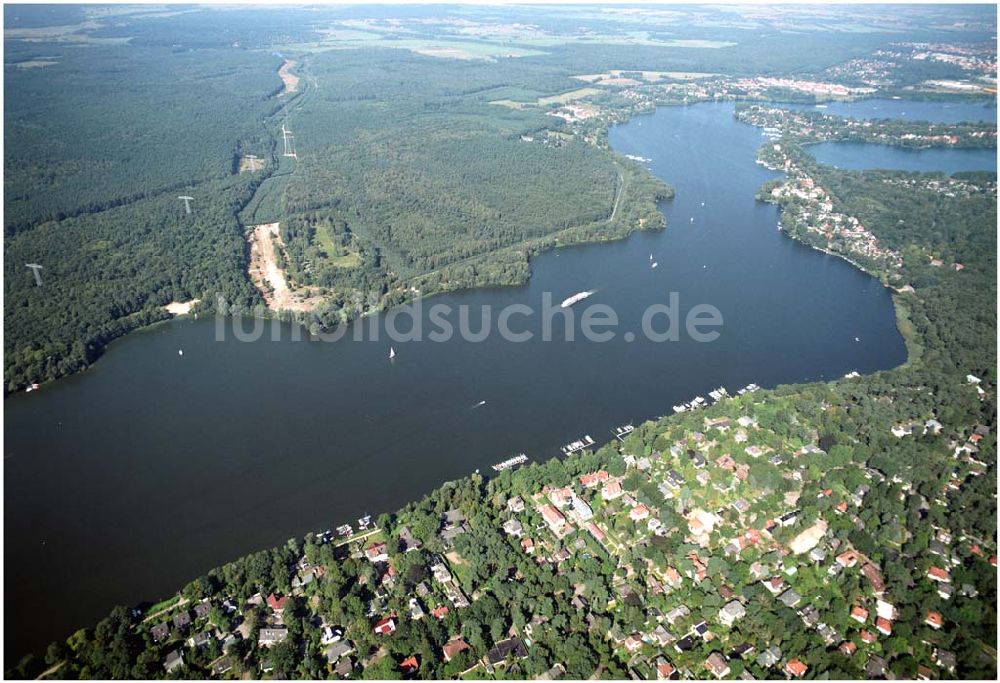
pixel 268 275
pixel 568 97
pixel 290 80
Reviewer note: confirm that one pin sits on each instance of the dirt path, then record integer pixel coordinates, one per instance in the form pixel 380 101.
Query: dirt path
pixel 290 80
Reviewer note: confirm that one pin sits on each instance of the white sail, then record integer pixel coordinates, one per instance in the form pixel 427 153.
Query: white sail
pixel 392 352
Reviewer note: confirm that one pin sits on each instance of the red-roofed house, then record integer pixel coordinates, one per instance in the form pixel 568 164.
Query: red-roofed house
pixel 454 647
pixel 639 513
pixel 596 532
pixel 934 620
pixel 440 612
pixel 794 667
pixel 847 648
pixel 410 665
pixel 859 614
pixel 938 574
pixel 376 552
pixel 884 626
pixel 277 604
pixel 385 627
pixel 594 478
pixel 612 491
pixel 553 518
pixel 868 637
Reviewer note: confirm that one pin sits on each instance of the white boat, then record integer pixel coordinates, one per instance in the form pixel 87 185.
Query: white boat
pixel 481 403
pixel 650 257
pixel 579 296
pixel 692 219
pixel 392 353
pixel 654 264
pixel 703 203
pixel 856 339
pixel 180 352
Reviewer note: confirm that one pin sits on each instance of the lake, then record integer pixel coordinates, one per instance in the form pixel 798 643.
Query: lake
pixel 863 156
pixel 908 110
pixel 129 480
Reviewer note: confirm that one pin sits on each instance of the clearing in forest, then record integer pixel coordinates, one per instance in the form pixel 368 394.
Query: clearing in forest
pixel 290 80
pixel 267 274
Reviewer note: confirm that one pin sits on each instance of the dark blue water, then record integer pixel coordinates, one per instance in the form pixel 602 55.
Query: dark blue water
pixel 909 110
pixel 862 156
pixel 125 482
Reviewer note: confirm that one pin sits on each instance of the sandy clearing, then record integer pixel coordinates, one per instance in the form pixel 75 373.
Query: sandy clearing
pixel 267 276
pixel 290 80
pixel 181 307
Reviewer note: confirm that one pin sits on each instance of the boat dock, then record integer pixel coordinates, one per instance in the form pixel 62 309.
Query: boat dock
pixel 510 462
pixel 623 431
pixel 586 442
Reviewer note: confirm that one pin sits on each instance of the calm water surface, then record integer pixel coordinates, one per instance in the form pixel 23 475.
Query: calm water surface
pixel 124 483
pixel 863 156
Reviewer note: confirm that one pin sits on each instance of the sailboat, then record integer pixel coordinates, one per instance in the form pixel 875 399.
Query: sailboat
pixel 392 353
pixel 650 257
pixel 654 264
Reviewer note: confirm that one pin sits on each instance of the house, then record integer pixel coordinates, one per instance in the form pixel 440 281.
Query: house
pixel 774 585
pixel 182 620
pixel 512 648
pixel 596 532
pixel 271 636
pixel 440 612
pixel 407 542
pixel 867 637
pixel 221 666
pixel 685 644
pixel 454 647
pixel 330 635
pixel 515 504
pixel 582 510
pixel 885 609
pixel 277 604
pixel 527 545
pixel 200 640
pixel 410 665
pixel 718 665
pixel 639 513
pixel 944 659
pixel 554 519
pixel 731 612
pixel 924 673
pixel 875 667
pixel 795 668
pixel 664 669
pixel 440 573
pixel 859 614
pixel 790 598
pixel 553 674
pixel 884 626
pixel 633 643
pixel 874 577
pixel 202 610
pixel 338 650
pixel 160 632
pixel 938 574
pixel 562 498
pixel 385 627
pixel 416 611
pixel 672 577
pixel 174 661
pixel 344 667
pixel 661 636
pixel 847 648
pixel 513 528
pixel 377 552
pixel 769 657
pixel 934 620
pixel 594 479
pixel 612 491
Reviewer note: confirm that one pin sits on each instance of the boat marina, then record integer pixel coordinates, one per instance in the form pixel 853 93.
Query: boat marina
pixel 510 462
pixel 623 431
pixel 586 442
